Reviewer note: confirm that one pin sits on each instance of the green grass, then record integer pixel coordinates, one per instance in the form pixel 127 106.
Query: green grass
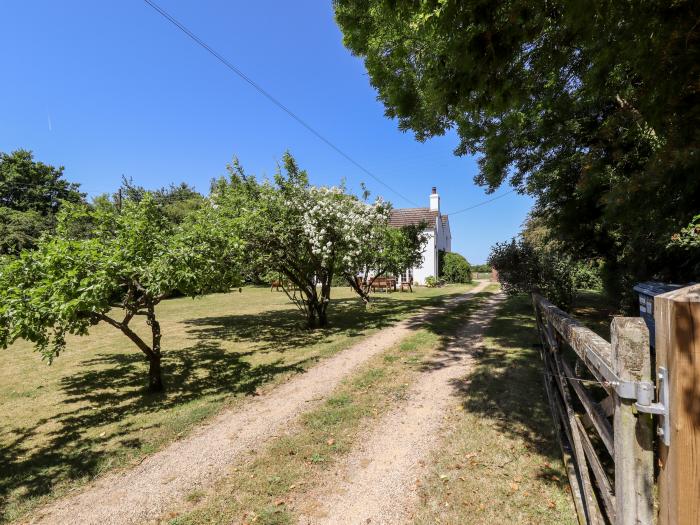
pixel 268 489
pixel 500 462
pixel 64 424
pixel 595 310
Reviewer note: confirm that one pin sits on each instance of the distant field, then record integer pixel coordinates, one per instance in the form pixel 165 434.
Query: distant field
pixel 63 424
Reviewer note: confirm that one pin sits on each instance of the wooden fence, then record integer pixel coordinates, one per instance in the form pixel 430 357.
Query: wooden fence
pixel 601 395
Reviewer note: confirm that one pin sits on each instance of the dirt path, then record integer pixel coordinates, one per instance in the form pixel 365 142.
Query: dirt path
pixel 149 490
pixel 376 483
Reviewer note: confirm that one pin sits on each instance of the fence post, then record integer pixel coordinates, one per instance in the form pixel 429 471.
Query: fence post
pixel 633 433
pixel 677 324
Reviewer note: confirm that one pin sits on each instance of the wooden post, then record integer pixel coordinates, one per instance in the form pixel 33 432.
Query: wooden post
pixel 634 458
pixel 677 323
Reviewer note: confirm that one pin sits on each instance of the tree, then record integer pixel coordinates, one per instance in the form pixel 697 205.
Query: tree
pixel 31 193
pixel 177 200
pixel 481 268
pixel 131 261
pixel 524 269
pixel 590 107
pixel 456 268
pixel 307 234
pixel 385 250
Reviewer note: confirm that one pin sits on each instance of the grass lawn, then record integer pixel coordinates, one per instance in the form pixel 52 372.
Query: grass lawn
pixel 595 310
pixel 89 412
pixel 500 462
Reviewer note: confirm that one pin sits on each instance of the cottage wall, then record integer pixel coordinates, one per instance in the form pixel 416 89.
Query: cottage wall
pixel 429 260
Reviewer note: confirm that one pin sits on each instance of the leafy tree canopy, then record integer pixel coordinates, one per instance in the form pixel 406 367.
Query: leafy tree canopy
pixel 591 107
pixel 31 194
pixel 384 251
pixel 176 200
pixel 130 262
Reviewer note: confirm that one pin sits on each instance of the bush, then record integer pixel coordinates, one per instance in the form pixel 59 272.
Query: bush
pixel 456 269
pixel 431 282
pixel 524 269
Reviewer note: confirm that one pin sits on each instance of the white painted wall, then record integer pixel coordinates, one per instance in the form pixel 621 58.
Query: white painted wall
pixel 429 266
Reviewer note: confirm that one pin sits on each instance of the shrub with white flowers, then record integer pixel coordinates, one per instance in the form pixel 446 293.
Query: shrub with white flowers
pixel 305 234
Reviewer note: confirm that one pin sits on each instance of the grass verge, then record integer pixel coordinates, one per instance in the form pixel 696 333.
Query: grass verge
pixel 500 462
pixel 63 425
pixel 264 490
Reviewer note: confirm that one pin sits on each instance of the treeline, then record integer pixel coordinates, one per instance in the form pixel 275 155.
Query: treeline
pixel 114 259
pixel 592 108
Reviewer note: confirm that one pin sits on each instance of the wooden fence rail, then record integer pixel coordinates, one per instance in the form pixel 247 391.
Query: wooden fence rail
pixel 597 391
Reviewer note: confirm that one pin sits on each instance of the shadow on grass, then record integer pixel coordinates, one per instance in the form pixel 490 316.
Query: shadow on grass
pixel 283 330
pixel 506 384
pixel 110 388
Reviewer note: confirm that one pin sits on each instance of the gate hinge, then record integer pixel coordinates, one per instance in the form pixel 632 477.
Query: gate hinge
pixel 660 409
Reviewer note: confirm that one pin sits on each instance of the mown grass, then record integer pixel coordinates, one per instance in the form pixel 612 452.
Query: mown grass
pixel 500 462
pixel 64 424
pixel 266 490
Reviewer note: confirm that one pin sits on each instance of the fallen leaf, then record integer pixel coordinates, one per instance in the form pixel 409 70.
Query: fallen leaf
pixel 471 455
pixel 551 504
pixel 330 442
pixel 279 502
pixel 514 487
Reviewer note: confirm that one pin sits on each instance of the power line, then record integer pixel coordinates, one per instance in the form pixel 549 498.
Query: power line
pixel 482 203
pixel 271 98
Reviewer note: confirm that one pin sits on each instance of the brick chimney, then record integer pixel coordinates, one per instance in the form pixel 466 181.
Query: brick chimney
pixel 434 200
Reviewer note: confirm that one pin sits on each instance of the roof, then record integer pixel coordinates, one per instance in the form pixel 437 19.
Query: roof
pixel 410 216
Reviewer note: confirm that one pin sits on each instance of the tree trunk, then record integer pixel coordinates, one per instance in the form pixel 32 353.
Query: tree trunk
pixel 311 318
pixel 322 316
pixel 155 379
pixel 359 289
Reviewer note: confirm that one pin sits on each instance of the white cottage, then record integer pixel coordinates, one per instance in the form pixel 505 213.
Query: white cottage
pixel 437 232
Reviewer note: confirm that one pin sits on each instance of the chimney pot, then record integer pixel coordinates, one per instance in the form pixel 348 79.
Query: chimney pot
pixel 434 190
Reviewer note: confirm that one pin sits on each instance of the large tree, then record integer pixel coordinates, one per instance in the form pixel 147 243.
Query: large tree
pixel 31 193
pixel 305 233
pixel 131 261
pixel 591 107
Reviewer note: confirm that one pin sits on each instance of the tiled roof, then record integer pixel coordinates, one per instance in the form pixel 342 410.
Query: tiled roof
pixel 407 216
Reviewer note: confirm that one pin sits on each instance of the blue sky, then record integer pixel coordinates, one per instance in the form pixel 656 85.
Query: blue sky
pixel 112 88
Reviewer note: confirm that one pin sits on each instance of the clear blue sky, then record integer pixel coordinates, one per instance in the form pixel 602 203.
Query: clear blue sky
pixel 112 88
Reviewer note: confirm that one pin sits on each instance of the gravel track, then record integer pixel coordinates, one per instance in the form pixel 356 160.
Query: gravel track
pixel 149 490
pixel 376 483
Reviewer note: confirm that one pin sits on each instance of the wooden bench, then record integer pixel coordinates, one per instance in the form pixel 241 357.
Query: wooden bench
pixel 384 282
